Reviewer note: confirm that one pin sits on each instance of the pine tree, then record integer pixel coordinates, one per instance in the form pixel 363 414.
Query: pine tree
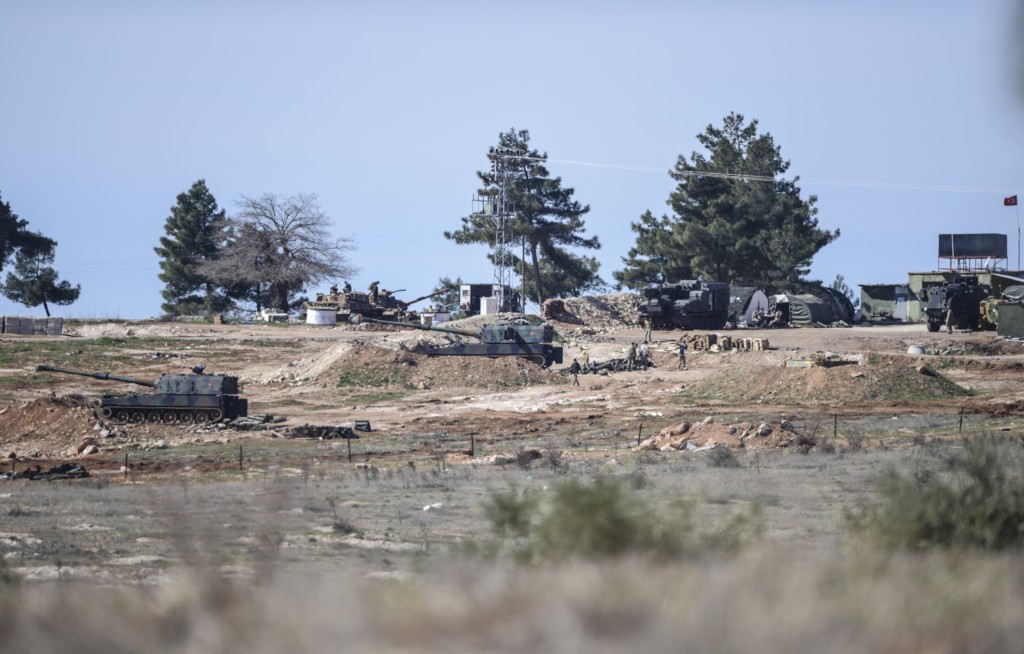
pixel 654 259
pixel 545 215
pixel 195 233
pixel 34 281
pixel 734 216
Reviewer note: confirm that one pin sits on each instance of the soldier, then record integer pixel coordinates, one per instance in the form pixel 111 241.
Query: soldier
pixel 682 355
pixel 776 317
pixel 645 356
pixel 373 291
pixel 347 288
pixel 647 330
pixel 586 359
pixel 575 370
pixel 758 317
pixel 334 289
pixel 631 357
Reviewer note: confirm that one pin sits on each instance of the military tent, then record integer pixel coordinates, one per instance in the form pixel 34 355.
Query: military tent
pixel 743 302
pixel 807 310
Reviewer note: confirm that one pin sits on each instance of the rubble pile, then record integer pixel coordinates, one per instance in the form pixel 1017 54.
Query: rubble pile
pixel 708 434
pixel 600 311
pixel 320 432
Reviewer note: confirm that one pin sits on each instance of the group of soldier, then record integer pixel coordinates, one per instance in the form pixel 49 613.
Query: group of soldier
pixel 773 319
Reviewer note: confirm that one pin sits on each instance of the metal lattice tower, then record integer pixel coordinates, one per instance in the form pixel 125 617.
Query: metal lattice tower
pixel 497 208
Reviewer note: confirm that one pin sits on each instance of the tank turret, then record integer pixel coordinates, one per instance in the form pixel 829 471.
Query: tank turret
pixel 185 399
pixel 533 341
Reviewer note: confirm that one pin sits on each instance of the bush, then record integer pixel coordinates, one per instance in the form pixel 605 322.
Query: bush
pixel 723 457
pixel 606 518
pixel 970 498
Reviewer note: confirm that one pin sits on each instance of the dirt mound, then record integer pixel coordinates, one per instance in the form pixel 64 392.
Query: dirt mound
pixel 377 367
pixel 45 427
pixel 881 379
pixel 600 311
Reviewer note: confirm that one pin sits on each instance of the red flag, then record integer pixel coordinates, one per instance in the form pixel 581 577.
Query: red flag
pixel 1010 201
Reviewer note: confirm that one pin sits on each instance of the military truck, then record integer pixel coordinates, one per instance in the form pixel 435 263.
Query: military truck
pixel 956 304
pixel 687 304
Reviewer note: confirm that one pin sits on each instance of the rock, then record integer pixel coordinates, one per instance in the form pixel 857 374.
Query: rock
pixel 764 429
pixel 677 429
pixel 86 443
pixel 708 421
pixel 91 449
pixel 786 425
pixel 12 455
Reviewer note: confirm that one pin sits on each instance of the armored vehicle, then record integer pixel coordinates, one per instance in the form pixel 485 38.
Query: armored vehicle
pixel 380 304
pixel 532 341
pixel 956 304
pixel 184 399
pixel 688 304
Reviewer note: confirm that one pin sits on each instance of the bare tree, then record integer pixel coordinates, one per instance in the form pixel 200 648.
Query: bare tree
pixel 282 244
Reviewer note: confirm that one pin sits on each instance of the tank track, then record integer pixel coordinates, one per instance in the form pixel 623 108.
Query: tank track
pixel 125 414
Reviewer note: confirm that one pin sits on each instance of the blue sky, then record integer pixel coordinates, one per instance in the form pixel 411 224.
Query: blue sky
pixel 905 119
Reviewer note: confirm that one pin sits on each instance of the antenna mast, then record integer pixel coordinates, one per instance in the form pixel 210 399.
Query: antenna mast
pixel 497 208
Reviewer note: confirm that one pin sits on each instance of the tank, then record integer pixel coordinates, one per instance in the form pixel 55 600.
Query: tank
pixel 956 305
pixel 531 341
pixel 182 399
pixel 381 305
pixel 687 304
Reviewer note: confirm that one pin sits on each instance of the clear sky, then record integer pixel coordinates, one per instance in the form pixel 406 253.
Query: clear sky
pixel 905 119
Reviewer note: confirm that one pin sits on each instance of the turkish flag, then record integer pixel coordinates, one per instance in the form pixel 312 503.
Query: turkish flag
pixel 1010 201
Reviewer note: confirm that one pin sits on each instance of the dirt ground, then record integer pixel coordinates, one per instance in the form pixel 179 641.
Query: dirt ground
pixel 313 375
pixel 230 502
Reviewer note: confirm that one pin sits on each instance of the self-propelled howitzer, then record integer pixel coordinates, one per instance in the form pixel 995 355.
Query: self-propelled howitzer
pixel 532 341
pixel 185 399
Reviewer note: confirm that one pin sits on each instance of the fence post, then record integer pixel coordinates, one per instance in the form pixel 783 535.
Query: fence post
pixel 961 420
pixel 639 433
pixel 240 458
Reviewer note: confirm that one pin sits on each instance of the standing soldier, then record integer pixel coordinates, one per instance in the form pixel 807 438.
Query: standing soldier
pixel 575 370
pixel 586 359
pixel 373 291
pixel 647 330
pixel 645 356
pixel 682 355
pixel 631 357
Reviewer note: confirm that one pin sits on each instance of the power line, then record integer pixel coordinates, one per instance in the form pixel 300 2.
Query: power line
pixel 768 178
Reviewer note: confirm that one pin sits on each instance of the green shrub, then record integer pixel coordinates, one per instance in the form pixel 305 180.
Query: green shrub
pixel 967 498
pixel 608 518
pixel 723 457
pixel 511 512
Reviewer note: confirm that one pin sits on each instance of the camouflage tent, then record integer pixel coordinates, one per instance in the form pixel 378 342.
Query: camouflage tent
pixel 808 310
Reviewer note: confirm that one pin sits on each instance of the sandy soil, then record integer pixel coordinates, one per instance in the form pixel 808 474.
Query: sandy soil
pixel 334 376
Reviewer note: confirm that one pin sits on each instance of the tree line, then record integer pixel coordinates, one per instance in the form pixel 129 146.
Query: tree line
pixel 733 217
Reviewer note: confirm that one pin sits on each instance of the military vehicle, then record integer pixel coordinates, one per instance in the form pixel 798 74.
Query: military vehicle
pixel 183 399
pixel 957 304
pixel 531 341
pixel 688 304
pixel 382 304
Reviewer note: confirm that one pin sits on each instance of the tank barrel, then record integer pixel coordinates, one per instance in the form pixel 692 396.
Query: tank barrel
pixel 96 375
pixel 434 294
pixel 426 328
